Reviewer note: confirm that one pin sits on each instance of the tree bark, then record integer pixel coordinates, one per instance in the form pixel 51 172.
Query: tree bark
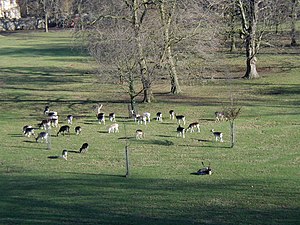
pixel 251 41
pixel 166 20
pixel 232 133
pixel 145 78
pixel 293 22
pixel 46 22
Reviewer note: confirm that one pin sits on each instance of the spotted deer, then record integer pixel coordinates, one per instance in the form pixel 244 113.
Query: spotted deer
pixel 218 135
pixel 180 132
pixel 101 118
pixel 180 118
pixel 172 114
pixel 193 126
pixel 84 148
pixel 77 130
pixel 139 134
pixel 159 116
pixel 43 136
pixel 70 119
pixel 63 130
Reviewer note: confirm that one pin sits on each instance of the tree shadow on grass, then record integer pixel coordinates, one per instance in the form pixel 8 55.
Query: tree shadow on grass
pixel 112 199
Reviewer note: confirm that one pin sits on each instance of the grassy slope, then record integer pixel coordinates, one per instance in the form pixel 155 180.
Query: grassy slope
pixel 257 182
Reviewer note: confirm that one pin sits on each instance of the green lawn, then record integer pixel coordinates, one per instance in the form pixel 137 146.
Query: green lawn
pixel 256 182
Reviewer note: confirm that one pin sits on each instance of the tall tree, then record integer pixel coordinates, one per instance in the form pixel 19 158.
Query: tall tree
pixel 167 15
pixel 249 18
pixel 294 15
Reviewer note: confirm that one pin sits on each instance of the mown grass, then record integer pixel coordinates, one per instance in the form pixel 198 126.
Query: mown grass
pixel 256 182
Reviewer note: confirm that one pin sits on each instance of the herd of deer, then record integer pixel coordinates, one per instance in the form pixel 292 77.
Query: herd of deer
pixel 52 121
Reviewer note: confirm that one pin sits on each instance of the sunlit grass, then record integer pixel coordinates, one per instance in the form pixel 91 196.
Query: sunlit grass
pixel 253 183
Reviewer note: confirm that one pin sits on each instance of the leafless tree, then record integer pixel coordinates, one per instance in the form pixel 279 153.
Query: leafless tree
pixel 294 15
pixel 255 18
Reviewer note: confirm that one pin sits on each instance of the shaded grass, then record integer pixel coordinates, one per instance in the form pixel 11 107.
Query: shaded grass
pixel 254 183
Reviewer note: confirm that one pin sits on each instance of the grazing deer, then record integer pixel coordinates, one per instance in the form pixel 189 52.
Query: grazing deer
pixel 159 116
pixel 139 134
pixel 218 135
pixel 64 154
pixel 112 117
pixel 43 136
pixel 70 119
pixel 193 126
pixel 180 132
pixel 220 116
pixel 142 119
pixel 28 130
pixel 172 114
pixel 63 129
pixel 147 115
pixel 101 118
pixel 180 118
pixel 54 121
pixel 77 130
pixel 52 114
pixel 45 124
pixel 84 148
pixel 113 128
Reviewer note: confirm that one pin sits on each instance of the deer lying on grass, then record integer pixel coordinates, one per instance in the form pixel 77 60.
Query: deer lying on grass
pixel 217 135
pixel 180 132
pixel 43 136
pixel 113 128
pixel 139 134
pixel 63 129
pixel 206 170
pixel 193 126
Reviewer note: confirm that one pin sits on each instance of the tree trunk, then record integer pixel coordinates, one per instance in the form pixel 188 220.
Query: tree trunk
pixel 145 79
pixel 232 133
pixel 166 20
pixel 293 22
pixel 232 29
pixel 252 44
pixel 46 22
pixel 251 72
pixel 175 87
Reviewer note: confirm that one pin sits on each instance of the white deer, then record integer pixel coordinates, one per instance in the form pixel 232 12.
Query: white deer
pixel 113 128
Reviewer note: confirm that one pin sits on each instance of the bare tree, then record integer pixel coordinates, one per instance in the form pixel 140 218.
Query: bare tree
pixel 294 14
pixel 231 113
pixel 188 28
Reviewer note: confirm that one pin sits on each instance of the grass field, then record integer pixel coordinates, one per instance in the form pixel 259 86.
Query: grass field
pixel 256 182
